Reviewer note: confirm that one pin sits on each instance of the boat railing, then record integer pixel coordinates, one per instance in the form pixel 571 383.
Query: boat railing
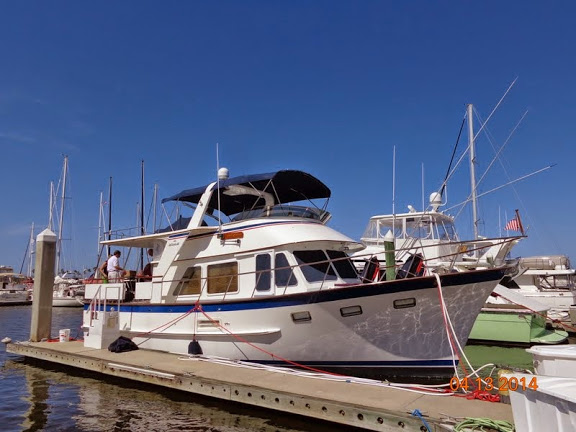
pixel 121 233
pixel 460 256
pixel 232 283
pixel 99 302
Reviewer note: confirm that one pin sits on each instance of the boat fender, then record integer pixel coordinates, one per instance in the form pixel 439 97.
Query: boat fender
pixel 194 348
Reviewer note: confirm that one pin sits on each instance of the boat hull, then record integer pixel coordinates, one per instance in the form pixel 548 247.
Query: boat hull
pixel 14 298
pixel 514 326
pixel 67 302
pixel 370 329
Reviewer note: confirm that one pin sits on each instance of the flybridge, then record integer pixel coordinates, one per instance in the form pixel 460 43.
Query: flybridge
pixel 239 194
pixel 268 195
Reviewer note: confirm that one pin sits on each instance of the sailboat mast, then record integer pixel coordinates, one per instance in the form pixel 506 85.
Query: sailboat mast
pixel 101 224
pixel 109 213
pixel 155 205
pixel 142 216
pixel 472 153
pixel 31 251
pixel 50 214
pixel 60 223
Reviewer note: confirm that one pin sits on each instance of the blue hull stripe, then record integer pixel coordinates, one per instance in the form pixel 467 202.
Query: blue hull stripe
pixel 315 297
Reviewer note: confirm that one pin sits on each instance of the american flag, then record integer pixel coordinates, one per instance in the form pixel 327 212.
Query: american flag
pixel 513 225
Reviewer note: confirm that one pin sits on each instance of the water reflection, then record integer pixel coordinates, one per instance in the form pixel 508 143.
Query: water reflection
pixel 59 401
pixel 37 415
pixel 47 397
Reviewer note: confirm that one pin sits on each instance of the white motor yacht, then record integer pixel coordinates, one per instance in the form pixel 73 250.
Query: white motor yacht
pixel 253 276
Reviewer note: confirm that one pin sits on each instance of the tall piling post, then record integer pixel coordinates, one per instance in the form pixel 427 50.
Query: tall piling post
pixel 41 324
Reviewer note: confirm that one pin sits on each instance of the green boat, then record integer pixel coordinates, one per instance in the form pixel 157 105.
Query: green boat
pixel 521 323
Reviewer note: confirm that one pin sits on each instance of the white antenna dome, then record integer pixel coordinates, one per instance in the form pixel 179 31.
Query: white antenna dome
pixel 435 200
pixel 223 174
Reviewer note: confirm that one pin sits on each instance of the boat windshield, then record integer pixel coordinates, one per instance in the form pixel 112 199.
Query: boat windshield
pixel 419 227
pixel 318 267
pixel 283 211
pixel 377 229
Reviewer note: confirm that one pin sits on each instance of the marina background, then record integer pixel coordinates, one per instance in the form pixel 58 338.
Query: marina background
pixel 326 87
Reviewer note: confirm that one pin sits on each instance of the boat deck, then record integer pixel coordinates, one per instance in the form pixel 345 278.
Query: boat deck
pixel 378 408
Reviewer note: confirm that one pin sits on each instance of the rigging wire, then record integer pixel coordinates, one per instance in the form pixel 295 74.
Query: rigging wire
pixel 444 183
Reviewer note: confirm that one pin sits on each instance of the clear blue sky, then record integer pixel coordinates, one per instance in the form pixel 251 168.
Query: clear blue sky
pixel 328 87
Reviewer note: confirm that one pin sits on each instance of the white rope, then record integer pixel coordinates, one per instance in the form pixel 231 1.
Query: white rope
pixel 348 379
pixel 474 372
pixel 446 327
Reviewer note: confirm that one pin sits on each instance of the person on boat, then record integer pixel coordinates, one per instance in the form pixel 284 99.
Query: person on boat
pixel 146 273
pixel 115 272
pixel 104 270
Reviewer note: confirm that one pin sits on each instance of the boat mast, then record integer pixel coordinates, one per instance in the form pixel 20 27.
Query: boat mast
pixel 472 153
pixel 155 206
pixel 218 183
pixel 31 252
pixel 50 214
pixel 393 193
pixel 101 224
pixel 109 213
pixel 59 239
pixel 142 216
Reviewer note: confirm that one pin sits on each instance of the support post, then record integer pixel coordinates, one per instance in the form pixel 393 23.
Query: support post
pixel 390 256
pixel 41 324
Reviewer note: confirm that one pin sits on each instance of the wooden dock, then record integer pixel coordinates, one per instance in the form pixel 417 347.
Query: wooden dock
pixel 377 408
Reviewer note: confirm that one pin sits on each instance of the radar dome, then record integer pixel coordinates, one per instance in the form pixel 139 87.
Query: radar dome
pixel 223 173
pixel 435 200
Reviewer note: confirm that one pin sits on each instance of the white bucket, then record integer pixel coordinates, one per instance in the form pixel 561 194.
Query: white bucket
pixel 64 335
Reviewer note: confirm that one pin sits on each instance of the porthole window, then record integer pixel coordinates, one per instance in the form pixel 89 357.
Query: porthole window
pixel 301 316
pixel 351 311
pixel 405 303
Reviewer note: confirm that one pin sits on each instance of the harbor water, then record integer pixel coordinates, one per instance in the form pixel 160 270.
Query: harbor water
pixel 50 398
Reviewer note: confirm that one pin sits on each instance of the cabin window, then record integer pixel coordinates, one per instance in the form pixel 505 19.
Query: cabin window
pixel 343 264
pixel 263 275
pixel 314 265
pixel 283 273
pixel 190 283
pixel 223 278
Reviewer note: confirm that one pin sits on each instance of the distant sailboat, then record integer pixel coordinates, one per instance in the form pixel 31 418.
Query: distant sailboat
pixel 68 286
